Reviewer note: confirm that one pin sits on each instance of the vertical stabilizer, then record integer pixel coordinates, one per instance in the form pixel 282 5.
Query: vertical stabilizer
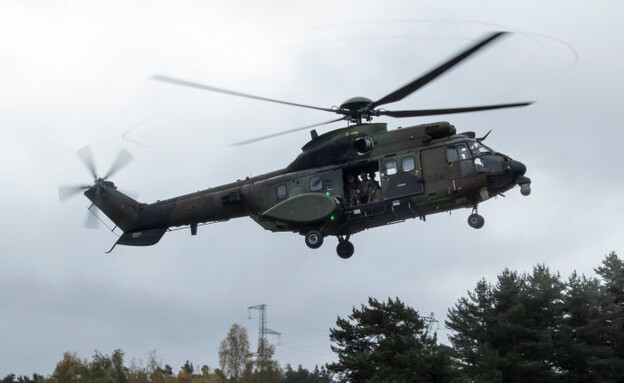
pixel 120 208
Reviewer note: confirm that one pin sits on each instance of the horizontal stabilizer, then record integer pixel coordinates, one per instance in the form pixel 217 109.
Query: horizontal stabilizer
pixel 141 238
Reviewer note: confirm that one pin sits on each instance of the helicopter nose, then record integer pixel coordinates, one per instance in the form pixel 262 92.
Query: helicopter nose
pixel 517 168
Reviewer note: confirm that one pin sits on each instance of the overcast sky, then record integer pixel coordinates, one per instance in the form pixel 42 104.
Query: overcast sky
pixel 76 73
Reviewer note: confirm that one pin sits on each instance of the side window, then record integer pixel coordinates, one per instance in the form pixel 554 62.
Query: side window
pixel 451 154
pixel 281 191
pixel 408 164
pixel 316 184
pixel 392 167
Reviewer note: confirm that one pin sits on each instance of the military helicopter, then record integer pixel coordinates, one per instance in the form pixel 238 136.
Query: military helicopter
pixel 422 169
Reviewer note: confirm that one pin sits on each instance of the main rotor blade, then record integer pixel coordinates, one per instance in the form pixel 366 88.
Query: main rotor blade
pixel 432 112
pixel 68 191
pixel 413 86
pixel 285 132
pixel 196 85
pixel 123 158
pixel 86 157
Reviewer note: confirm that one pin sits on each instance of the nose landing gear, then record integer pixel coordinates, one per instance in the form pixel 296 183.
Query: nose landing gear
pixel 475 220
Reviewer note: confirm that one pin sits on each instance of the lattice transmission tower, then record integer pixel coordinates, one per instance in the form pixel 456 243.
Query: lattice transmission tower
pixel 263 330
pixel 431 322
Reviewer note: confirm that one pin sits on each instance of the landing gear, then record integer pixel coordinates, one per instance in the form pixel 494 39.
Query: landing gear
pixel 475 220
pixel 314 239
pixel 345 248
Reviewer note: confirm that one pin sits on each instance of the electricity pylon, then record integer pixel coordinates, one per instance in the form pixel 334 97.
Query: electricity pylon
pixel 263 330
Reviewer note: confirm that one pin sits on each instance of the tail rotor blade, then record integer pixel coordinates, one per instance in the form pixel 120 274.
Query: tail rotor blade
pixel 68 191
pixel 92 220
pixel 86 157
pixel 123 158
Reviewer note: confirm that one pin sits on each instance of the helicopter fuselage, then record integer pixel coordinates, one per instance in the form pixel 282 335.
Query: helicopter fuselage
pixel 332 188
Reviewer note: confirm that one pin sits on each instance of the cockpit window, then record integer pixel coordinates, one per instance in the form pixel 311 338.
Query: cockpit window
pixel 462 151
pixel 451 154
pixel 478 149
pixel 457 152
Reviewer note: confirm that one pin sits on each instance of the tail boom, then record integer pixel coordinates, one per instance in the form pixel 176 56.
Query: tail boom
pixel 145 224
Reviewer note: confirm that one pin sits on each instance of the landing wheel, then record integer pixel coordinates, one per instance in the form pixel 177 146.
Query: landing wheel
pixel 345 249
pixel 476 221
pixel 314 239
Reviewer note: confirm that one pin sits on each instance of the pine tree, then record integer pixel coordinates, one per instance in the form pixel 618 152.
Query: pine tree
pixel 387 342
pixel 505 333
pixel 611 320
pixel 470 319
pixel 578 336
pixel 543 309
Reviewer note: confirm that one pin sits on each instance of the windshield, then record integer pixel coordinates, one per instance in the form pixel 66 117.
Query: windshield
pixel 478 149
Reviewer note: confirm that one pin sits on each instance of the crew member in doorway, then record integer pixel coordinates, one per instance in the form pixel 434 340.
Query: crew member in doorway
pixel 352 192
pixel 373 188
pixel 364 187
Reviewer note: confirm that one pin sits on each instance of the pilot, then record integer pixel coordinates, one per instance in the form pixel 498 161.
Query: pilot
pixel 373 188
pixel 352 191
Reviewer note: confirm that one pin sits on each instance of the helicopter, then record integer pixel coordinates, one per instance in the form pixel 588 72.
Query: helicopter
pixel 331 187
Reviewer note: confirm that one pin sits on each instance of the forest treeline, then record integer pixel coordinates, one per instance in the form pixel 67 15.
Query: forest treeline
pixel 529 327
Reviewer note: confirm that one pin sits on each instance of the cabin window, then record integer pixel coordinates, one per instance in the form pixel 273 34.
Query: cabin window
pixel 408 164
pixel 392 167
pixel 316 184
pixel 281 191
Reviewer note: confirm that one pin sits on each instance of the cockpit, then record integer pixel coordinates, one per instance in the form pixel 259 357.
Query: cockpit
pixel 478 149
pixel 473 156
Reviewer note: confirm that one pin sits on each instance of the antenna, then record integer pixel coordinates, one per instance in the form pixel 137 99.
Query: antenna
pixel 263 330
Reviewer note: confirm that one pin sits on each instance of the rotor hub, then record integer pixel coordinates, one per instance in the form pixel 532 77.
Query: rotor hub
pixel 357 108
pixel 356 103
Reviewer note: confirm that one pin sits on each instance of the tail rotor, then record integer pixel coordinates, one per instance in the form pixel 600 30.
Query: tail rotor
pixel 85 155
pixel 92 219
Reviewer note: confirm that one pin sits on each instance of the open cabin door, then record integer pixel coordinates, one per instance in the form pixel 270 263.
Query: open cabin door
pixel 401 176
